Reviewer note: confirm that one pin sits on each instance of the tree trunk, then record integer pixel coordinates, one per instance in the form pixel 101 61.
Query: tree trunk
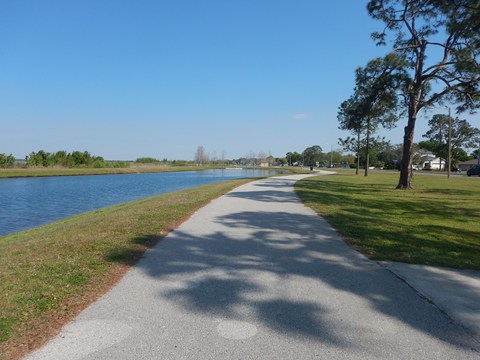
pixel 358 153
pixel 416 94
pixel 367 149
pixel 406 173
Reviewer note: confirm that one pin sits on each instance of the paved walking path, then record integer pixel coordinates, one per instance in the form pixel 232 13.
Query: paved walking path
pixel 257 275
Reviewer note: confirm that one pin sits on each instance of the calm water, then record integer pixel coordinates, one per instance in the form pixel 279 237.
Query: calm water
pixel 26 203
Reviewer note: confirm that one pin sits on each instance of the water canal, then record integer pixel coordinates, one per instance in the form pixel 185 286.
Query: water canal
pixel 26 203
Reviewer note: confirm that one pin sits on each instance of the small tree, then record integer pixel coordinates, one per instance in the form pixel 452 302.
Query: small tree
pixel 7 161
pixel 312 155
pixel 41 158
pixel 389 155
pixel 200 156
pixel 350 118
pixel 352 145
pixel 281 161
pixel 375 101
pixel 293 157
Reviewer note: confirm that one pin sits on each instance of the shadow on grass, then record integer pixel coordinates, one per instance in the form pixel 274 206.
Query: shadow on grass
pixel 398 228
pixel 131 254
pixel 451 192
pixel 332 193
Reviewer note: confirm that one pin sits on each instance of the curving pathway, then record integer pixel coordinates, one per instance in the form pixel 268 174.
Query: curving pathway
pixel 257 275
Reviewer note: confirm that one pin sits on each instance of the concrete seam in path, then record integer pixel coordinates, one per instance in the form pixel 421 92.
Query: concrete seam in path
pixel 456 293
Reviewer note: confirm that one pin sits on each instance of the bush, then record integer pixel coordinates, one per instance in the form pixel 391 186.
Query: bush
pixel 98 163
pixel 7 161
pixel 179 163
pixel 119 164
pixel 147 160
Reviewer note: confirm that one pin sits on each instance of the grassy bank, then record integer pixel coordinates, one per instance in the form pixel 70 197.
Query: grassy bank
pixel 49 274
pixel 132 169
pixel 60 171
pixel 437 223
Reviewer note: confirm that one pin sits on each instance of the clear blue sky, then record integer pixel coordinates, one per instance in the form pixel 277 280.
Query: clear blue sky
pixel 126 79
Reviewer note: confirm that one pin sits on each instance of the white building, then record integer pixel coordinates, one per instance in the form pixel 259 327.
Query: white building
pixel 434 163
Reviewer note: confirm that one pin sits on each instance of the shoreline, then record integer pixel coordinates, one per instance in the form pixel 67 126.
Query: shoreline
pixel 51 172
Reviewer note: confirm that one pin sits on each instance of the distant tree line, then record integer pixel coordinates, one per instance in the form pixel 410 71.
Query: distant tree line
pixel 378 152
pixel 164 161
pixel 202 157
pixel 73 159
pixel 314 156
pixel 252 159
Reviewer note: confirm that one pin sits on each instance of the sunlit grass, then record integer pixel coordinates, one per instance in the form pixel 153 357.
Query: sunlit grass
pixel 47 275
pixel 437 223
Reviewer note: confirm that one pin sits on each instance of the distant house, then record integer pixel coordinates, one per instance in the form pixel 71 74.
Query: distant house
pixel 268 161
pixel 465 165
pixel 434 163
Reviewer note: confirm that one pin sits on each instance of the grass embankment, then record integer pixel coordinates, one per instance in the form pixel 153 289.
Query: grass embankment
pixel 49 274
pixel 61 171
pixel 437 223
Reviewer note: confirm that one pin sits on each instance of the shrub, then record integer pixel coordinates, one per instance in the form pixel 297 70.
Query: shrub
pixel 147 160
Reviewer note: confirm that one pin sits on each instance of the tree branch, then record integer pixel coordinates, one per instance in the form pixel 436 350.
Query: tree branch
pixel 438 67
pixel 453 88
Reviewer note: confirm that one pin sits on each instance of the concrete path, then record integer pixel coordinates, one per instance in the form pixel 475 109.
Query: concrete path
pixel 257 275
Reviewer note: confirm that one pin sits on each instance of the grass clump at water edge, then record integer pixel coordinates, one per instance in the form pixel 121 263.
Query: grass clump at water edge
pixel 437 223
pixel 49 274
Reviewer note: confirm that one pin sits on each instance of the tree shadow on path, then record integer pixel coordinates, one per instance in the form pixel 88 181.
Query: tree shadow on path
pixel 277 273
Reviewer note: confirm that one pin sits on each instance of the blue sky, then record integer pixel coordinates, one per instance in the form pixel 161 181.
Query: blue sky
pixel 126 79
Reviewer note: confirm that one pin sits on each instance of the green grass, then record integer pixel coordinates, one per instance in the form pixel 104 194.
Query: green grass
pixel 47 275
pixel 437 223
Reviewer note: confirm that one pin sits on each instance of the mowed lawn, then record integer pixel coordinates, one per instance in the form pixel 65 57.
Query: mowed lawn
pixel 49 274
pixel 436 223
